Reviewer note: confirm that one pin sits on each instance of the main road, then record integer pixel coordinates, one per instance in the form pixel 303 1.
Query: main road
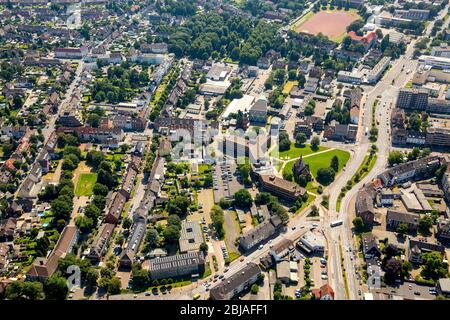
pixel 385 92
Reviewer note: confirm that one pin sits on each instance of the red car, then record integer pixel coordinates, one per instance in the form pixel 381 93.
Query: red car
pixel 322 266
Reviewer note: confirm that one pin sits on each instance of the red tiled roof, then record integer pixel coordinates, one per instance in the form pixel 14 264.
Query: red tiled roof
pixel 367 38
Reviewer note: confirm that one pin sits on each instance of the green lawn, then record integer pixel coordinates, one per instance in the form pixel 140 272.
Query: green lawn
pixel 85 184
pixel 322 160
pixel 295 152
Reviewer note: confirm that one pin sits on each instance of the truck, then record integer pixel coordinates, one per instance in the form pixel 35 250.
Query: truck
pixel 336 223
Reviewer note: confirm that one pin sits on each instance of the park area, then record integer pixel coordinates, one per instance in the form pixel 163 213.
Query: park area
pixel 85 184
pixel 331 23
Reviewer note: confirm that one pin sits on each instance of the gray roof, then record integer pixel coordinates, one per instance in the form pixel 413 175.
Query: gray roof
pixel 221 291
pixel 191 236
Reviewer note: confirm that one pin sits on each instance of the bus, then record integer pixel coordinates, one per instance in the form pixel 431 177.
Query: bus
pixel 336 223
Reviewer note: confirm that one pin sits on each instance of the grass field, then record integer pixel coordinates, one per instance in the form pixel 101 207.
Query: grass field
pixel 295 152
pixel 322 160
pixel 85 184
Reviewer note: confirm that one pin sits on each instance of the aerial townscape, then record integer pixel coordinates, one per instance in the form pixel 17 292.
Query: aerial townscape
pixel 224 149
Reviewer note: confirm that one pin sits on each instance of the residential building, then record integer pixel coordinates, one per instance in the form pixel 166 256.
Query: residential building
pixel 377 71
pixel 43 268
pixel 236 283
pixel 417 248
pixel 324 293
pixel 443 229
pixel 412 99
pixel 370 247
pixel 364 205
pixel 138 231
pixel 260 233
pixel 116 208
pixel 396 218
pixel 414 170
pixel 101 242
pixel 443 287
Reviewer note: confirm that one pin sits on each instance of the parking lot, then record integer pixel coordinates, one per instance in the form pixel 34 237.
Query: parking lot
pixel 225 180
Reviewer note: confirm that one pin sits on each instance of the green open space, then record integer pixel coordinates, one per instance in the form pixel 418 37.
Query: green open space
pixel 296 151
pixel 322 160
pixel 85 184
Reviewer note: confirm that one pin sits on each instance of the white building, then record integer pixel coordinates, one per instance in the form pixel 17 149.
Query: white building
pixel 435 62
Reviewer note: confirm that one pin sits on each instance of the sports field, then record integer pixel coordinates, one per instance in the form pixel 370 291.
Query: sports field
pixel 331 23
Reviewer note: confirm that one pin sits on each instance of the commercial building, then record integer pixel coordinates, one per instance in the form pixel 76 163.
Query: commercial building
pixel 191 236
pixel 191 263
pixel 280 187
pixel 441 62
pixel 412 99
pixel 441 51
pixel 355 76
pixel 71 53
pixel 313 243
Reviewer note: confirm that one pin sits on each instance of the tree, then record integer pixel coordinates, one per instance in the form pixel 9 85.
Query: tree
pixel 42 246
pixel 178 205
pixel 402 229
pixel 62 207
pixel 243 199
pixel 254 289
pixel 335 163
pixel 315 142
pixel 392 270
pixel 105 177
pixel 425 225
pixel 217 218
pixel 395 157
pixel 141 278
pixel 171 234
pixel 204 248
pixel 100 189
pixel 358 223
pixel 152 237
pixel 92 211
pixel 433 266
pixel 93 120
pixel 244 170
pixel 84 223
pixel 55 288
pixel 114 285
pixel 325 175
pixel 300 138
pixel 94 158
pixel 29 290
